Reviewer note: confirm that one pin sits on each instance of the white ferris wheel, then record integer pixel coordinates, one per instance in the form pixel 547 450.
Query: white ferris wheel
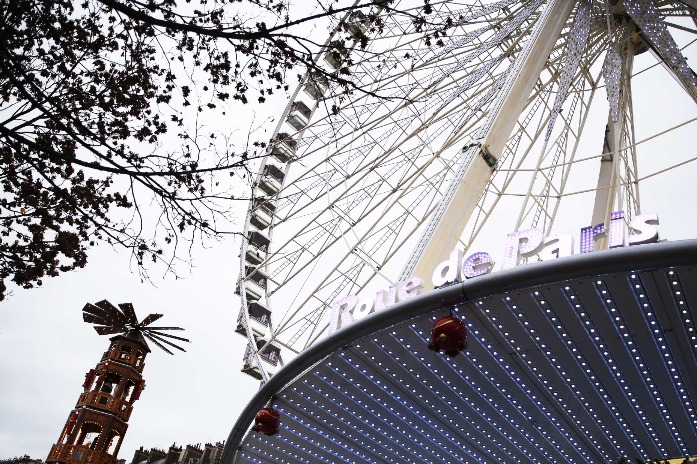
pixel 522 111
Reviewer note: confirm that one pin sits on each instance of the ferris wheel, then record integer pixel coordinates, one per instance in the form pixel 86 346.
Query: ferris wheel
pixel 447 134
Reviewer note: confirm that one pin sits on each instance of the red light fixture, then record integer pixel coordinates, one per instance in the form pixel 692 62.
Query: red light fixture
pixel 267 421
pixel 448 335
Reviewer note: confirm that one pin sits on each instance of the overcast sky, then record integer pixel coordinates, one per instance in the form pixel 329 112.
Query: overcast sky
pixel 195 397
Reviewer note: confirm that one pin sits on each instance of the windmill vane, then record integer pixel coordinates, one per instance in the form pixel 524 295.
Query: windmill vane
pixel 109 319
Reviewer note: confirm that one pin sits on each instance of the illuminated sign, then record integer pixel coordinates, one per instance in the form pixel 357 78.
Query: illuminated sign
pixel 519 245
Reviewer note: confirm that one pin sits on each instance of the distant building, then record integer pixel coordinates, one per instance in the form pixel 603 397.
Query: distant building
pixel 23 460
pixel 191 454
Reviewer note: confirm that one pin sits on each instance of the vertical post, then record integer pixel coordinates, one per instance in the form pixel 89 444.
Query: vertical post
pixel 606 195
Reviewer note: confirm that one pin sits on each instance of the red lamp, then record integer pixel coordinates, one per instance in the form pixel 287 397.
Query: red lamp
pixel 449 335
pixel 267 421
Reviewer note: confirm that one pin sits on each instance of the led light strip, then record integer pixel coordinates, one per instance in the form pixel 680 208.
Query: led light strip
pixel 496 326
pixel 330 392
pixel 609 361
pixel 428 385
pixel 435 438
pixel 287 412
pixel 476 390
pixel 553 361
pixel 588 372
pixel 688 320
pixel 286 438
pixel 346 420
pixel 459 393
pixel 510 372
pixel 297 407
pixel 662 347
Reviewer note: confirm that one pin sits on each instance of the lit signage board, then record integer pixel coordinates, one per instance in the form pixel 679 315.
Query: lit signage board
pixel 519 245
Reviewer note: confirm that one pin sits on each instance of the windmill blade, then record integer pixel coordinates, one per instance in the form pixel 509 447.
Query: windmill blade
pixel 109 329
pixel 662 44
pixel 150 319
pixel 111 320
pixel 111 309
pixel 93 314
pixel 166 341
pixel 165 328
pixel 151 331
pixel 130 313
pixel 157 343
pixel 92 319
pixel 92 309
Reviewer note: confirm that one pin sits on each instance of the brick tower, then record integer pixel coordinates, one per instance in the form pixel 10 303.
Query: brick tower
pixel 97 425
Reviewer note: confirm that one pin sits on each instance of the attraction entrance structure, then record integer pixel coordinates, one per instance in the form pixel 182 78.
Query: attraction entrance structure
pixel 587 359
pixel 487 118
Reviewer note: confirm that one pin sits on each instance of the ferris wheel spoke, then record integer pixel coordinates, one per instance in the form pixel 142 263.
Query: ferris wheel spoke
pixel 353 270
pixel 336 237
pixel 477 53
pixel 662 44
pixel 690 3
pixel 539 45
pixel 550 182
pixel 546 185
pixel 492 189
pixel 388 114
pixel 497 38
pixel 499 186
pixel 408 211
pixel 372 71
pixel 629 162
pixel 388 157
pixel 574 53
pixel 542 199
pixel 351 187
pixel 340 279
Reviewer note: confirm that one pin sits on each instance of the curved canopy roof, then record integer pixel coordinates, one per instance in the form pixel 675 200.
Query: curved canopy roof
pixel 583 359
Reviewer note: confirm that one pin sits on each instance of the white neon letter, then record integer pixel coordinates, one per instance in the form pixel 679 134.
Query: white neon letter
pixel 384 298
pixel 616 235
pixel 556 246
pixel 641 230
pixel 477 264
pixel 341 314
pixel 409 288
pixel 448 271
pixel 362 309
pixel 522 243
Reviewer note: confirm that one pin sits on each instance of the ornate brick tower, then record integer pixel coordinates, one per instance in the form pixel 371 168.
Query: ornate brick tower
pixel 96 427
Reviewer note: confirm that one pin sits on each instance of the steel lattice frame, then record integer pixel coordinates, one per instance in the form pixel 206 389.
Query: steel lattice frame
pixel 355 190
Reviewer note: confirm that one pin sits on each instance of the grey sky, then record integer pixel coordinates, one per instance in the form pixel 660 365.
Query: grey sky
pixel 195 397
